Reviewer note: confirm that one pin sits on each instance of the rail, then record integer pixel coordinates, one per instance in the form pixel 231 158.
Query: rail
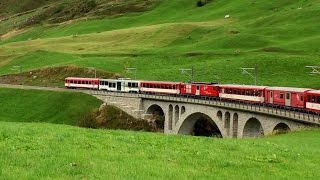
pixel 278 111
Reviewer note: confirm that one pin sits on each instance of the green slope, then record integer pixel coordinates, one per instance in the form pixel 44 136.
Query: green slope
pixel 46 151
pixel 45 106
pixel 280 38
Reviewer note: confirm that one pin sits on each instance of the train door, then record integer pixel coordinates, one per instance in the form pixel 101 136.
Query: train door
pixel 288 99
pixel 198 90
pixel 271 97
pixel 119 84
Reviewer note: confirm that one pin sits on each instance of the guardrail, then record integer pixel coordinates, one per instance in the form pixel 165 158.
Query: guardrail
pixel 278 111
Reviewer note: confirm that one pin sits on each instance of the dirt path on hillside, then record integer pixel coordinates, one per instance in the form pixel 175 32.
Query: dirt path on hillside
pixel 10 86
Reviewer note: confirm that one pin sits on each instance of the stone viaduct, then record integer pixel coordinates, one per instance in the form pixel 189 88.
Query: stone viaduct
pixel 231 119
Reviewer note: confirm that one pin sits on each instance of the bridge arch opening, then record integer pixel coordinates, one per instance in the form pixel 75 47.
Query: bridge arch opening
pixel 199 124
pixel 176 114
pixel 227 122
pixel 253 128
pixel 281 128
pixel 235 125
pixel 157 116
pixel 183 110
pixel 219 115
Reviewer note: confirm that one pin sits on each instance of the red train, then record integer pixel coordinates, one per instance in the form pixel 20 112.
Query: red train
pixel 302 98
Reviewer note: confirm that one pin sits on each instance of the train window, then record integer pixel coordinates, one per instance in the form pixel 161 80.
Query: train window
pixel 247 92
pixel 309 98
pixel 129 84
pixel 313 99
pixel 281 95
pixel 318 99
pixel 287 95
pixel 271 94
pixel 234 91
pixel 198 87
pixel 301 97
pixel 238 92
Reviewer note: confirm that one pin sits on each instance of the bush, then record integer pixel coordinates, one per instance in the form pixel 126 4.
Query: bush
pixel 201 3
pixel 110 117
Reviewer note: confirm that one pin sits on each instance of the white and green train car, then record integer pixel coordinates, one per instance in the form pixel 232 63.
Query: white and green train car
pixel 120 85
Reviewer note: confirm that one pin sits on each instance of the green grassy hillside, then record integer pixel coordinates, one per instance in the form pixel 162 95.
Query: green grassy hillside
pixel 280 38
pixel 45 106
pixel 45 151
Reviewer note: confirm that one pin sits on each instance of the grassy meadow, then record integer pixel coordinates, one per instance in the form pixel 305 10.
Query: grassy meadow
pixel 46 151
pixel 45 106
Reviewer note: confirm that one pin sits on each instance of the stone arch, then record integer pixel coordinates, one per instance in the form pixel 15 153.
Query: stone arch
pixel 183 110
pixel 227 122
pixel 156 115
pixel 281 128
pixel 219 115
pixel 235 125
pixel 170 116
pixel 188 125
pixel 253 128
pixel 176 114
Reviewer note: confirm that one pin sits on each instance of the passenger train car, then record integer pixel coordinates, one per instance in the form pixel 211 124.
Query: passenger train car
pixel 313 100
pixel 242 92
pixel 75 82
pixel 299 98
pixel 121 85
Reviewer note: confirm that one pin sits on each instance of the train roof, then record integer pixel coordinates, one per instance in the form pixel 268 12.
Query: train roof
pixel 202 83
pixel 288 89
pixel 161 82
pixel 314 92
pixel 120 80
pixel 241 86
pixel 81 78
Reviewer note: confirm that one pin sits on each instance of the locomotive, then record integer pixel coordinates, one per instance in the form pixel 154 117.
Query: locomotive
pixel 288 97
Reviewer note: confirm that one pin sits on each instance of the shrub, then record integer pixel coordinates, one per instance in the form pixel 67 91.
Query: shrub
pixel 201 3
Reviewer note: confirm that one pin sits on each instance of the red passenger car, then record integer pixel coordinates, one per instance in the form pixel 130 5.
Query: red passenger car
pixel 76 82
pixel 313 100
pixel 286 96
pixel 160 87
pixel 247 93
pixel 200 89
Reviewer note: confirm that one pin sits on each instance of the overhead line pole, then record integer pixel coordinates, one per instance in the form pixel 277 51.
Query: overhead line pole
pixel 189 72
pixel 254 76
pixel 129 70
pixel 315 69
